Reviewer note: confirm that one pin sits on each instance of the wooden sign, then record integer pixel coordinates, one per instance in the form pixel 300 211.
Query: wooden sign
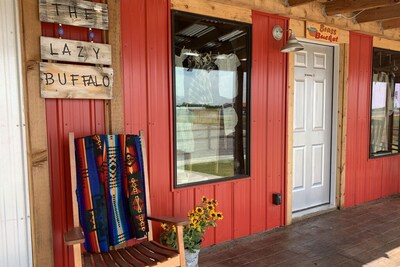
pixel 322 32
pixel 74 12
pixel 75 51
pixel 75 81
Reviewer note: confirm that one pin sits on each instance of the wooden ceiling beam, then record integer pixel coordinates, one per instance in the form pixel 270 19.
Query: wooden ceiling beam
pixel 292 3
pixel 380 13
pixel 345 6
pixel 391 24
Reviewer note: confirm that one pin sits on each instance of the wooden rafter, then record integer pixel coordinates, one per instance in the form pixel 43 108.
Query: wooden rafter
pixel 297 2
pixel 391 24
pixel 346 6
pixel 380 13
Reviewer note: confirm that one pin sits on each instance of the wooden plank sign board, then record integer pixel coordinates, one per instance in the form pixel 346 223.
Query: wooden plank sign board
pixel 322 32
pixel 75 51
pixel 75 81
pixel 74 12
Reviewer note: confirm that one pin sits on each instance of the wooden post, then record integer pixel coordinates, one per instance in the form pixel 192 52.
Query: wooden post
pixel 75 211
pixel 115 107
pixel 344 127
pixel 39 182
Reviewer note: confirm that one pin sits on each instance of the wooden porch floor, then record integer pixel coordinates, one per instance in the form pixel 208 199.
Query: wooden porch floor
pixel 366 235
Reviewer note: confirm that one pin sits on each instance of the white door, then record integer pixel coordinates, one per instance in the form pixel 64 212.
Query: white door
pixel 312 126
pixel 15 233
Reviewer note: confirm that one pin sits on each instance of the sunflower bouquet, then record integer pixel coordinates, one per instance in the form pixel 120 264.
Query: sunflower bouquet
pixel 203 216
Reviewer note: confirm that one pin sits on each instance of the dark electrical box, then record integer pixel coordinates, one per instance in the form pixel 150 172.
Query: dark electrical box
pixel 277 198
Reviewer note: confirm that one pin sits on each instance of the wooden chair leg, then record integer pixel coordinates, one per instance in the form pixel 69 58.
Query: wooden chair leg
pixel 77 255
pixel 181 246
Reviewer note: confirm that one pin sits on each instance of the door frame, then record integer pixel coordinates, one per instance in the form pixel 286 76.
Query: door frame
pixel 334 191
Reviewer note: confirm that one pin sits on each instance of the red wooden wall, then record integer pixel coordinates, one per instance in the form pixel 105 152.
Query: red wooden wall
pixel 366 179
pixel 83 117
pixel 246 203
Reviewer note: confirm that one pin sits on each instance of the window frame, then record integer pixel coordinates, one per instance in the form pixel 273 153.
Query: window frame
pixel 372 155
pixel 247 97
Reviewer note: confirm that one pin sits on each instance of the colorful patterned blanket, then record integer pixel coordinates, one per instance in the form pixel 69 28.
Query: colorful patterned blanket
pixel 110 190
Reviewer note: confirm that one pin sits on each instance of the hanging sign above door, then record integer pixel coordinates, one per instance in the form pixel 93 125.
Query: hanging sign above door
pixel 322 32
pixel 75 51
pixel 74 12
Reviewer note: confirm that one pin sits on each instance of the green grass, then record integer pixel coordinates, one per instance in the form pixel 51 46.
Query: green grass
pixel 225 168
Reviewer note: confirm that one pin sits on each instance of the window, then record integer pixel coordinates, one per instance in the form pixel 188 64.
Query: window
pixel 385 103
pixel 211 72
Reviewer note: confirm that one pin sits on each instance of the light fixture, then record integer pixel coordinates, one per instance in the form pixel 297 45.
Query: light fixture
pixel 292 44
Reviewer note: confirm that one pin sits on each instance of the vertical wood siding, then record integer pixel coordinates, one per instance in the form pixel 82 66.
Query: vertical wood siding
pixel 83 117
pixel 15 227
pixel 366 179
pixel 246 203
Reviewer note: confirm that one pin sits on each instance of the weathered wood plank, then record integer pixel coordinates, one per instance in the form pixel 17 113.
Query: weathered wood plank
pixel 297 2
pixel 344 6
pixel 339 135
pixel 74 12
pixel 209 8
pixel 75 51
pixel 36 136
pixel 344 101
pixel 391 24
pixel 75 81
pixel 310 12
pixel 322 32
pixel 386 44
pixel 380 13
pixel 115 109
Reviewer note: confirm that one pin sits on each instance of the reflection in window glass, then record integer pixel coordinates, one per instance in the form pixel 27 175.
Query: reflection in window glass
pixel 211 63
pixel 385 103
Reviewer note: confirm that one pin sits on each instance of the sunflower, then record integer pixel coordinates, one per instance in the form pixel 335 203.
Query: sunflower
pixel 214 202
pixel 210 207
pixel 204 199
pixel 199 210
pixel 165 227
pixel 219 215
pixel 213 214
pixel 194 220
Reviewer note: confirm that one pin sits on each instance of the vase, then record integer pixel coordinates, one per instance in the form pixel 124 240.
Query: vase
pixel 192 258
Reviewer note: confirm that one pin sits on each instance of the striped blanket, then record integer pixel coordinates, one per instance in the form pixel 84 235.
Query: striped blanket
pixel 110 190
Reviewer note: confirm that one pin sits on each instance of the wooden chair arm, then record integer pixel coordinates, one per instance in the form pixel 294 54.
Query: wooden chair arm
pixel 74 236
pixel 171 220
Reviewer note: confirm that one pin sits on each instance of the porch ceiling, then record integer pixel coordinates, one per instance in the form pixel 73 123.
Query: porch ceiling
pixel 384 12
pixel 380 18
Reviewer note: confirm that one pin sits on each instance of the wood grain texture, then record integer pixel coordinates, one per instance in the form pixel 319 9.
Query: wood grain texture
pixel 390 24
pixel 386 44
pixel 342 35
pixel 74 12
pixel 75 81
pixel 209 8
pixel 340 144
pixel 297 2
pixel 311 11
pixel 115 108
pixel 380 13
pixel 345 6
pixel 75 51
pixel 36 132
